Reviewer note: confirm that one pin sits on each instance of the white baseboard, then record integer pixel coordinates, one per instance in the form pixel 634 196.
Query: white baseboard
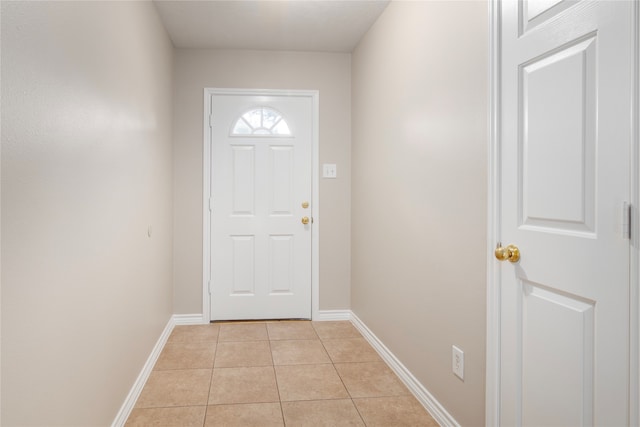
pixel 326 315
pixel 188 319
pixel 138 385
pixel 427 400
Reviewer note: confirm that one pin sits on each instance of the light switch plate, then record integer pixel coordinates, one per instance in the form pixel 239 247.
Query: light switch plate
pixel 329 170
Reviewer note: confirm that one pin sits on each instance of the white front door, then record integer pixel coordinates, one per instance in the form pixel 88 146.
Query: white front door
pixel 566 84
pixel 261 186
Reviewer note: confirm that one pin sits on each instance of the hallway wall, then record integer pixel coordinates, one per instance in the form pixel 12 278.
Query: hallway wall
pixel 330 73
pixel 419 174
pixel 86 169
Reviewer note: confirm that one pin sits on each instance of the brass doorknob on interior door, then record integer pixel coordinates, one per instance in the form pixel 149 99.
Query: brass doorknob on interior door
pixel 305 220
pixel 511 253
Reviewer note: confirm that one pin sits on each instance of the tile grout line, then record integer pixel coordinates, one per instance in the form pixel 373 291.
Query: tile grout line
pixel 213 364
pixel 275 377
pixel 358 411
pixel 343 384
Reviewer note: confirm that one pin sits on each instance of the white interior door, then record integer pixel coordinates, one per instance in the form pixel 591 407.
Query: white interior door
pixel 261 187
pixel 565 174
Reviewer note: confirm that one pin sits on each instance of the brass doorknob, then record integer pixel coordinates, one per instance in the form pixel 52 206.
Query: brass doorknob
pixel 511 253
pixel 305 220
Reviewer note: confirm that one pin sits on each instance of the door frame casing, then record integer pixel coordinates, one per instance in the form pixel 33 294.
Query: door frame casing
pixel 206 189
pixel 492 369
pixel 493 296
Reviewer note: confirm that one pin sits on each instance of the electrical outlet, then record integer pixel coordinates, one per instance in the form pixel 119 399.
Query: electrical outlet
pixel 457 362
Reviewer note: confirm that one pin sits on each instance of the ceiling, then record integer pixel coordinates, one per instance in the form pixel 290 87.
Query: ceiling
pixel 294 25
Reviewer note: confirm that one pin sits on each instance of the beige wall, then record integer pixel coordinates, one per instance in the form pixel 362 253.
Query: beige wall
pixel 86 168
pixel 419 192
pixel 197 69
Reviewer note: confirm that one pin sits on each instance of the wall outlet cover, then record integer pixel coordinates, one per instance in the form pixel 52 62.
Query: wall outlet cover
pixel 457 362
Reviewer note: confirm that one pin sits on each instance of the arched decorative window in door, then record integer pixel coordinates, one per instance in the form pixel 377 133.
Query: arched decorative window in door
pixel 261 121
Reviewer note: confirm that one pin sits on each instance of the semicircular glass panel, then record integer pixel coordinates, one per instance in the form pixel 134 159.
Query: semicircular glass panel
pixel 261 121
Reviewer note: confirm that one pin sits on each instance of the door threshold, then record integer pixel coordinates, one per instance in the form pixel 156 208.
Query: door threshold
pixel 259 320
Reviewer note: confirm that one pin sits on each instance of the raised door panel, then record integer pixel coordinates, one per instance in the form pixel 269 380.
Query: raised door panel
pixel 281 169
pixel 558 139
pixel 243 265
pixel 243 180
pixel 281 267
pixel 556 361
pixel 534 13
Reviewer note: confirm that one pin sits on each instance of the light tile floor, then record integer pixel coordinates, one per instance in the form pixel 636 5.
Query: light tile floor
pixel 281 373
